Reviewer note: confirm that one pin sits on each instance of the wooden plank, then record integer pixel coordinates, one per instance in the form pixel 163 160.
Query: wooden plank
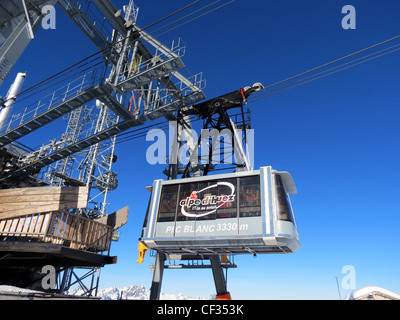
pixel 46 207
pixel 42 191
pixel 74 231
pixel 106 238
pixel 41 206
pixel 75 235
pixel 2 225
pixel 26 224
pixel 33 224
pixel 47 197
pixel 89 233
pixel 15 209
pixel 45 225
pixel 60 227
pixel 42 209
pixel 14 225
pixel 21 201
pixel 49 232
pixel 39 222
pixel 103 243
pixel 64 224
pixel 102 236
pixel 69 228
pixel 38 227
pixel 40 247
pixel 7 226
pixel 83 226
pixel 52 223
pixel 41 198
pixel 38 202
pixel 56 229
pixel 95 236
pixel 21 223
pixel 70 180
pixel 116 219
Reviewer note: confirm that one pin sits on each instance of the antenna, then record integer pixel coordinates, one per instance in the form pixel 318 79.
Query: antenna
pixel 337 283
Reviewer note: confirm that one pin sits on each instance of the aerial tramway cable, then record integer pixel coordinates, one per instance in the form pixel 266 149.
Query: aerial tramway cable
pixel 96 59
pixel 96 55
pixel 259 96
pixel 134 134
pixel 277 87
pixel 284 85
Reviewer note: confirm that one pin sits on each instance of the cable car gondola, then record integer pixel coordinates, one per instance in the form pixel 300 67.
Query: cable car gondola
pixel 235 213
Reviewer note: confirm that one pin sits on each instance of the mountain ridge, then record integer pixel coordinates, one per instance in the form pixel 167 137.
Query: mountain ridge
pixel 134 292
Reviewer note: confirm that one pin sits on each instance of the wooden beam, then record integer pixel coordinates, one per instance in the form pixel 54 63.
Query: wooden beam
pixel 117 219
pixel 38 254
pixel 69 180
pixel 21 201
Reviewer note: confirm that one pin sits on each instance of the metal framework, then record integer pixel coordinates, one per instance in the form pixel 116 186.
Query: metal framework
pixel 139 87
pixel 139 80
pixel 215 115
pixel 19 20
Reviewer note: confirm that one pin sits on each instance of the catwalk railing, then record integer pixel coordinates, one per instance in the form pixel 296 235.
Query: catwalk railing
pixel 57 98
pixel 60 227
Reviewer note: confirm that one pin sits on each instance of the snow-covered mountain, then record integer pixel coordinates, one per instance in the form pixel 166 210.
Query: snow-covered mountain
pixel 127 293
pixel 133 292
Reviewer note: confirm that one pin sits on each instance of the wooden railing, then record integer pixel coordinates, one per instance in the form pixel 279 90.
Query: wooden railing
pixel 61 227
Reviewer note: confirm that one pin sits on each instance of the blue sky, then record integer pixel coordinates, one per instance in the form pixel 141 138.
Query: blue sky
pixel 338 136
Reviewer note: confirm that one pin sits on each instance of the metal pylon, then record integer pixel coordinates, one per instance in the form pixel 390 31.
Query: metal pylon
pixel 140 81
pixel 143 83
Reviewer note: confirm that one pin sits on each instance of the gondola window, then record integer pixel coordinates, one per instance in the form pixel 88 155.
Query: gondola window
pixel 284 207
pixel 250 203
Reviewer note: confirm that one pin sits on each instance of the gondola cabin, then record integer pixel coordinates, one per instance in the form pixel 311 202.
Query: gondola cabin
pixel 241 212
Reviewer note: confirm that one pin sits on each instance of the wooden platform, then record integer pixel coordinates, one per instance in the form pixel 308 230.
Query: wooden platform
pixel 37 228
pixel 59 227
pixel 37 254
pixel 18 202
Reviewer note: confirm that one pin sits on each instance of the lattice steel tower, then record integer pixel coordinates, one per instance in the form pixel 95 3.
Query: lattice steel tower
pixel 133 78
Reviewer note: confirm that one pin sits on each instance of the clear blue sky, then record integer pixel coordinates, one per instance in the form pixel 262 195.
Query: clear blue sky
pixel 338 136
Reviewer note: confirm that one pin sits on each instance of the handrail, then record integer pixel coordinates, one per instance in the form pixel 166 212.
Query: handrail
pixel 59 227
pixel 85 81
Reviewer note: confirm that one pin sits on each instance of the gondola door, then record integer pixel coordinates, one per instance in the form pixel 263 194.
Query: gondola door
pixel 250 220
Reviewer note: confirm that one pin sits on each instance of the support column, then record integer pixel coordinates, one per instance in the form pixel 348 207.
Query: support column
pixel 157 277
pixel 219 278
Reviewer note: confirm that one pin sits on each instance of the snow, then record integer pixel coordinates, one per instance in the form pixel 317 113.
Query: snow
pixel 133 292
pixel 366 291
pixel 15 290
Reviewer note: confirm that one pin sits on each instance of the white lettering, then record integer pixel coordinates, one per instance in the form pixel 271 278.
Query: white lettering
pixel 49 280
pixel 215 145
pixel 49 21
pixel 157 147
pixel 349 280
pixel 185 311
pixel 349 20
pixel 187 229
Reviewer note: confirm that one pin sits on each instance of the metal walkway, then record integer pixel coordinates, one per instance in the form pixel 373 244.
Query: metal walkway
pixel 137 66
pixel 36 121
